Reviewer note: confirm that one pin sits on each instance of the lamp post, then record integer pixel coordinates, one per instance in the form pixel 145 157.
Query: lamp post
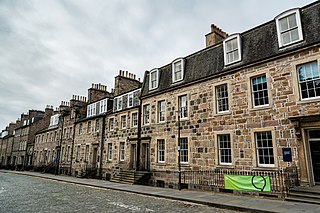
pixel 179 152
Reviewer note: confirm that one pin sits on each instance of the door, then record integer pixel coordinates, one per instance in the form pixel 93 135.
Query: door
pixel 94 157
pixel 145 156
pixel 133 157
pixel 314 141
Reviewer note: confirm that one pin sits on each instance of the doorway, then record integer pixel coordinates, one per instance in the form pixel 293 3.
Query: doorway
pixel 145 157
pixel 133 157
pixel 94 157
pixel 314 142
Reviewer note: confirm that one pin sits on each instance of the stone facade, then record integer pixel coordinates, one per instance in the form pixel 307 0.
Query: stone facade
pixel 254 108
pixel 246 135
pixel 6 143
pixel 24 138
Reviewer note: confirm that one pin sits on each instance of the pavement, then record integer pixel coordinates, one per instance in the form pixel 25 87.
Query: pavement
pixel 220 200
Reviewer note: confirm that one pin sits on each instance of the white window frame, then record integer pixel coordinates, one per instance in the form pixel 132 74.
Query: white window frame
pixel 144 114
pixel 217 98
pixel 121 151
pixel 184 150
pixel 181 60
pixel 253 91
pixel 285 14
pixel 239 50
pixel 133 120
pixel 119 103
pixel 224 148
pixel 109 152
pixel 180 106
pixel 130 95
pixel 156 80
pixel 160 112
pixel 161 150
pixel 309 80
pixel 123 122
pixel 271 148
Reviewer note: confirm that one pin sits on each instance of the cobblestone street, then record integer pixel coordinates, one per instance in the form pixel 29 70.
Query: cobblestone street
pixel 29 194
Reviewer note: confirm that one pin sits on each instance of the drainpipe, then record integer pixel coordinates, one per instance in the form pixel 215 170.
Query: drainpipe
pixel 139 136
pixel 102 144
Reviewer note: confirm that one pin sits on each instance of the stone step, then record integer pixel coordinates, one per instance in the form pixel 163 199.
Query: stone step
pixel 304 195
pixel 130 177
pixel 303 200
pixel 305 191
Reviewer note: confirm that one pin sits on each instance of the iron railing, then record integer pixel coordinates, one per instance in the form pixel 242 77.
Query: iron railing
pixel 280 181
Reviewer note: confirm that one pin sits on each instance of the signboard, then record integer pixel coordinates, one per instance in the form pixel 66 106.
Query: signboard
pixel 287 156
pixel 247 183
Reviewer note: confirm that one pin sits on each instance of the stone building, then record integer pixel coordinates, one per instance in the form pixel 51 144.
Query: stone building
pixel 120 147
pixel 46 141
pixel 24 136
pixel 70 112
pixel 54 143
pixel 6 143
pixel 242 103
pixel 89 134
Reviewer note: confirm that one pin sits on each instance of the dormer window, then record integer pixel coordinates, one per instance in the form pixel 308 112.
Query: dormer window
pixel 154 79
pixel 177 70
pixel 130 99
pixel 289 27
pixel 232 49
pixel 119 103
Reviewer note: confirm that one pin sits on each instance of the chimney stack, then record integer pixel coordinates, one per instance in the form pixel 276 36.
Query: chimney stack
pixel 215 36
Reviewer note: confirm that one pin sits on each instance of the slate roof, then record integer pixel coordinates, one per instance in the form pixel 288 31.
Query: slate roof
pixel 258 44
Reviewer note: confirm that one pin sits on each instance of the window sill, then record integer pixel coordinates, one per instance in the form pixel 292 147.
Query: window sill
pixel 184 164
pixel 161 164
pixel 308 101
pixel 225 166
pixel 265 169
pixel 260 108
pixel 176 81
pixel 222 113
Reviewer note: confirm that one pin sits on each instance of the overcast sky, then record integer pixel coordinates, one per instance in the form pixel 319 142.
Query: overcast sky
pixel 50 50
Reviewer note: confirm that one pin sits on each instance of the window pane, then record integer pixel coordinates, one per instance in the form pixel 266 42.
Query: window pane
pixel 292 21
pixel 294 35
pixel 285 37
pixel 283 24
pixel 314 134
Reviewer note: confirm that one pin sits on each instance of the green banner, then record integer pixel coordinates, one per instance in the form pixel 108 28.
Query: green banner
pixel 247 183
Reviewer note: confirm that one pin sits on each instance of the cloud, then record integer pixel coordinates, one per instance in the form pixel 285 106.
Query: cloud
pixel 52 49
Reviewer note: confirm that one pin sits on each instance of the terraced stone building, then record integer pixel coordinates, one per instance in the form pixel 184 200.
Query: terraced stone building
pixel 242 103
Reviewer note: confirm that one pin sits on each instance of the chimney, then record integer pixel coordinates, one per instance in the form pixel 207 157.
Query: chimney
pixel 215 36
